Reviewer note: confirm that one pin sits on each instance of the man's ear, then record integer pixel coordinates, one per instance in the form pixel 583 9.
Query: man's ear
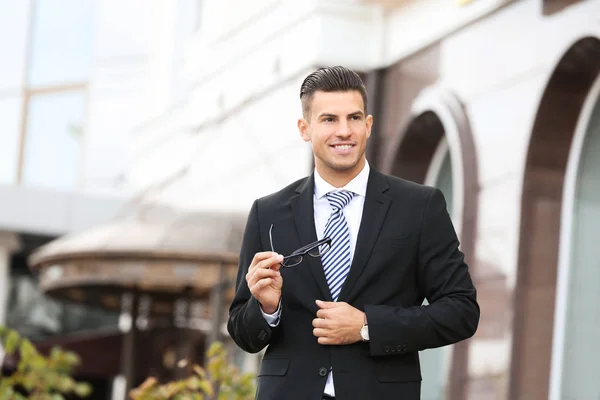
pixel 303 129
pixel 369 122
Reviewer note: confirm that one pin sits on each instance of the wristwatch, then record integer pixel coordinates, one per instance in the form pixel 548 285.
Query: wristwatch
pixel 364 331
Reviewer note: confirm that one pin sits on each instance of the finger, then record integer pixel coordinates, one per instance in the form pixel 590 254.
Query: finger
pixel 323 314
pixel 263 283
pixel 258 258
pixel 278 282
pixel 273 262
pixel 321 323
pixel 264 265
pixel 263 274
pixel 326 340
pixel 320 332
pixel 326 304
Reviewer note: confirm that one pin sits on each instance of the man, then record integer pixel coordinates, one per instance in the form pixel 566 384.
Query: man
pixel 346 320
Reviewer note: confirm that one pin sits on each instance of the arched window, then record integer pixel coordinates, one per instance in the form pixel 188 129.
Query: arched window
pixel 544 318
pixel 437 149
pixel 574 364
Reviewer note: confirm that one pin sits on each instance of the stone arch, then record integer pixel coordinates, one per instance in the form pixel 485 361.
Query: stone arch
pixel 439 121
pixel 541 204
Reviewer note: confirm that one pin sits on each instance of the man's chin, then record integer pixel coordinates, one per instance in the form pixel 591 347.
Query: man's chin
pixel 343 167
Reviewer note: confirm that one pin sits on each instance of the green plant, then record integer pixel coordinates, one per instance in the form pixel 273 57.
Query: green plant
pixel 219 381
pixel 41 377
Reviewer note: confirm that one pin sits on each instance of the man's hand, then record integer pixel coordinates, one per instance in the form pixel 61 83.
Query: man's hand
pixel 264 280
pixel 337 323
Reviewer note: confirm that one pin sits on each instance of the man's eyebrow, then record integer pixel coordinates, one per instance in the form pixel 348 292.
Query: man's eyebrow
pixel 356 113
pixel 330 115
pixel 327 115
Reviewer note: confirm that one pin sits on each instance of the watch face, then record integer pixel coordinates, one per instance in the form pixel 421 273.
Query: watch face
pixel 364 332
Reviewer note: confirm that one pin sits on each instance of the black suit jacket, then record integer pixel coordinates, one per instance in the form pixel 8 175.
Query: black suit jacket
pixel 406 251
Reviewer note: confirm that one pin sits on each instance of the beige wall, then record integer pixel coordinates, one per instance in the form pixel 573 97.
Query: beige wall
pixel 498 67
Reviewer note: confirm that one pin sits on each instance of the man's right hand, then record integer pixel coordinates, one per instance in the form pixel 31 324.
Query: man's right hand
pixel 265 281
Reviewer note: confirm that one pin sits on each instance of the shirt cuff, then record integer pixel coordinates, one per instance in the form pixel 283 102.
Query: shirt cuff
pixel 272 319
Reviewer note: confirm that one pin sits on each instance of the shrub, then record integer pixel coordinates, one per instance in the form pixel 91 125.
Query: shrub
pixel 38 376
pixel 219 381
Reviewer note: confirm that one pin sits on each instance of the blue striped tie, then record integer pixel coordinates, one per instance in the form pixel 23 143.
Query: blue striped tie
pixel 336 262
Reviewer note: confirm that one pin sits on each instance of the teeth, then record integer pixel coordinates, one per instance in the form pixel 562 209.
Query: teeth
pixel 343 147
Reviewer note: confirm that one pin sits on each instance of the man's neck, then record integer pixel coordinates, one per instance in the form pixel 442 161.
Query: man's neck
pixel 339 179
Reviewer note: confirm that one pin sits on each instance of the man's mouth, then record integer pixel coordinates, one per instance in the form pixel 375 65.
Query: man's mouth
pixel 342 146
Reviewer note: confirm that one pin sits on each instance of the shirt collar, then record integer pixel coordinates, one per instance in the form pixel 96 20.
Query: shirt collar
pixel 357 185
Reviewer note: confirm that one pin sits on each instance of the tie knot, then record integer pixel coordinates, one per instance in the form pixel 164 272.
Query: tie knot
pixel 339 200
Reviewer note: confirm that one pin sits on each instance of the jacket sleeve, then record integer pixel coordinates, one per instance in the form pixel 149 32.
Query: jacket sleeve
pixel 443 277
pixel 246 324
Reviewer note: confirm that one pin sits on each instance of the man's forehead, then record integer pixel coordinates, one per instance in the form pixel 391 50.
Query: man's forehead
pixel 347 101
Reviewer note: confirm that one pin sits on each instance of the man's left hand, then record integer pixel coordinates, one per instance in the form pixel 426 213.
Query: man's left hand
pixel 337 323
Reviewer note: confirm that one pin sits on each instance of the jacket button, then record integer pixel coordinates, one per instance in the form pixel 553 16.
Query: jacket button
pixel 262 335
pixel 399 348
pixel 323 371
pixel 386 349
pixel 403 347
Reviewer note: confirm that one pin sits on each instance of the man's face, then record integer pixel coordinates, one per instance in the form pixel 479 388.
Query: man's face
pixel 338 129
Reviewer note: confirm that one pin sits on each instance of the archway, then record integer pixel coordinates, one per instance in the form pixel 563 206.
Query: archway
pixel 541 205
pixel 574 370
pixel 437 149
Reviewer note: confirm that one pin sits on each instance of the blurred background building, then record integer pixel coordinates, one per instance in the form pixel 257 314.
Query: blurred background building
pixel 115 109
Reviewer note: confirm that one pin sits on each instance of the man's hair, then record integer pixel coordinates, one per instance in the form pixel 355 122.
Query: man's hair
pixel 331 79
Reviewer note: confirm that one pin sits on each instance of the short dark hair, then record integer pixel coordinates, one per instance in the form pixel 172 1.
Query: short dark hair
pixel 331 79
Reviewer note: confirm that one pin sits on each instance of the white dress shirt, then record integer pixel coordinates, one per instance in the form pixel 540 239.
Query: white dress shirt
pixel 322 210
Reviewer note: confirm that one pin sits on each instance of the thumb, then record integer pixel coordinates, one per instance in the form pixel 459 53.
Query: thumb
pixel 325 304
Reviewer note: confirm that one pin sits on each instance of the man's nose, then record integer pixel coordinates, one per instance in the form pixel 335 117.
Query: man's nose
pixel 344 129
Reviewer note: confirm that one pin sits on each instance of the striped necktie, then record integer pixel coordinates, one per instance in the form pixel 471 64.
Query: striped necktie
pixel 336 262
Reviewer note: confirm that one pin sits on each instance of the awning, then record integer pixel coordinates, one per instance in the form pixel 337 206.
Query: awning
pixel 165 255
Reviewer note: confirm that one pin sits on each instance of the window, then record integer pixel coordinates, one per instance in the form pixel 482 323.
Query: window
pixel 61 43
pixel 53 139
pixel 582 321
pixel 13 39
pixel 10 115
pixel 38 316
pixel 434 361
pixel 48 65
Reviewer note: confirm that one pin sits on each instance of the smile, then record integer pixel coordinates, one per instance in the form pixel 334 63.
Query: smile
pixel 343 146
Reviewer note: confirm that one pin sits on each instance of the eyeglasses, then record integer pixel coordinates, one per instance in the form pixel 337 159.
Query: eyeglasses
pixel 315 249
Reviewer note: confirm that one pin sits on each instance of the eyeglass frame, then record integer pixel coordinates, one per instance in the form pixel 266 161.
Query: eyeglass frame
pixel 302 251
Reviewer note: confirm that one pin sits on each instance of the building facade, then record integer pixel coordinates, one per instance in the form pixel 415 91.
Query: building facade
pixel 496 102
pixel 72 85
pixel 493 101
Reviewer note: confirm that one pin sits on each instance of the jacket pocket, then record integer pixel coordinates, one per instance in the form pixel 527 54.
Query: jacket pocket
pixel 274 367
pixel 398 369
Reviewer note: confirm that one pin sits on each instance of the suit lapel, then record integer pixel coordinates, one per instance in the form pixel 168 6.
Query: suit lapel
pixel 374 210
pixel 303 211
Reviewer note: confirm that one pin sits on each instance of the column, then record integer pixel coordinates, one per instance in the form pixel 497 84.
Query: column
pixel 8 244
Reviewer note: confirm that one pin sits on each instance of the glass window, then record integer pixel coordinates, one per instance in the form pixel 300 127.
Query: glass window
pixel 13 42
pixel 433 361
pixel 62 42
pixel 53 139
pixel 444 181
pixel 580 366
pixel 10 121
pixel 38 316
